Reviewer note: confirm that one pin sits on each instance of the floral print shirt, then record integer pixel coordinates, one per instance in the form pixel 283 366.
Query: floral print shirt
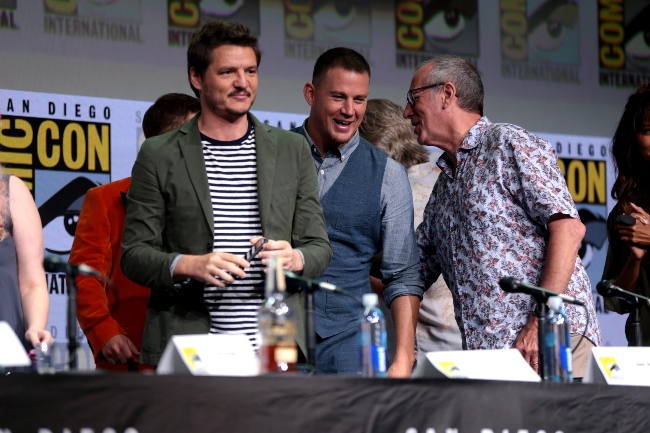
pixel 487 221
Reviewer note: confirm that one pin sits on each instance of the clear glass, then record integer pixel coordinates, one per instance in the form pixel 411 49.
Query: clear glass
pixel 279 351
pixel 45 358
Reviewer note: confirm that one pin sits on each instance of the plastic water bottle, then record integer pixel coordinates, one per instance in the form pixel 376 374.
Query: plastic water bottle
pixel 372 338
pixel 558 366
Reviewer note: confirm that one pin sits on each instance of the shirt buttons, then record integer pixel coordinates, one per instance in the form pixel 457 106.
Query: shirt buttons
pixel 322 172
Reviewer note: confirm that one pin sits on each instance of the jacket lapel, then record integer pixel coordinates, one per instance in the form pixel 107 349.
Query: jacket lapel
pixel 266 150
pixel 192 150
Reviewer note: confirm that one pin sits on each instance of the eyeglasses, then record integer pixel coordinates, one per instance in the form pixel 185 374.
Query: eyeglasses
pixel 409 95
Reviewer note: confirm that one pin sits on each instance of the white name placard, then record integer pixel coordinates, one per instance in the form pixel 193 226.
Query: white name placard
pixel 505 364
pixel 209 355
pixel 619 366
pixel 12 352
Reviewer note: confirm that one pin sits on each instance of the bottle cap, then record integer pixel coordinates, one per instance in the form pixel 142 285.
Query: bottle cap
pixel 370 299
pixel 555 303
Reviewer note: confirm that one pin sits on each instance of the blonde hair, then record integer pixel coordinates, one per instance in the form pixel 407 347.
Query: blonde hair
pixel 4 205
pixel 384 126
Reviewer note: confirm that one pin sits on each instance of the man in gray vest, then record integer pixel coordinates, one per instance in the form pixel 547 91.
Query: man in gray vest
pixel 366 200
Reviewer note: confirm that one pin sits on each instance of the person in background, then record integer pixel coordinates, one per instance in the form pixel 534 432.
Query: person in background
pixel 500 208
pixel 24 299
pixel 112 316
pixel 202 194
pixel 367 207
pixel 384 126
pixel 627 254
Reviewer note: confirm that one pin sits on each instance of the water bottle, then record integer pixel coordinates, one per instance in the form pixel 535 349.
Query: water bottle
pixel 557 343
pixel 372 338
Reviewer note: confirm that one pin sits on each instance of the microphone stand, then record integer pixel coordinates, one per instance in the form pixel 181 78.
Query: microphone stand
pixel 637 333
pixel 309 287
pixel 310 324
pixel 608 290
pixel 72 321
pixel 540 311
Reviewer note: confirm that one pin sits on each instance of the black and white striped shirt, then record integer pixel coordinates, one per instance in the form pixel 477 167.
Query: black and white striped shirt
pixel 232 177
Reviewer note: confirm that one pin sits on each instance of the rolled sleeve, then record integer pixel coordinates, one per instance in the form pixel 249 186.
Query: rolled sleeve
pixel 400 261
pixel 543 192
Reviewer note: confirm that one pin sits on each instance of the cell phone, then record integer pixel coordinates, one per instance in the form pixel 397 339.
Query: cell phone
pixel 255 249
pixel 627 220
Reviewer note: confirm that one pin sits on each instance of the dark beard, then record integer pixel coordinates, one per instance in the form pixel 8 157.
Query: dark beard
pixel 232 115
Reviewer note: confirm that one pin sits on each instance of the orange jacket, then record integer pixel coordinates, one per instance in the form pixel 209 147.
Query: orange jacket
pixel 105 311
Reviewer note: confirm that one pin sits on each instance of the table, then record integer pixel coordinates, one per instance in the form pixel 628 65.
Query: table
pixel 135 403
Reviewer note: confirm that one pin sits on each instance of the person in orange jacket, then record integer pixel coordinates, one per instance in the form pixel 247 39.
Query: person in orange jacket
pixel 112 316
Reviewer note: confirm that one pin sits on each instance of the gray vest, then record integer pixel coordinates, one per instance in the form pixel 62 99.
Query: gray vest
pixel 352 209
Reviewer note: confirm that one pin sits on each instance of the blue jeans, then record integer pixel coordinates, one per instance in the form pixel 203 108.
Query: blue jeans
pixel 338 354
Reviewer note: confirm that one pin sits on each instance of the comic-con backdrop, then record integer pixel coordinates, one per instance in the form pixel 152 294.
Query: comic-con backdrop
pixel 549 65
pixel 62 145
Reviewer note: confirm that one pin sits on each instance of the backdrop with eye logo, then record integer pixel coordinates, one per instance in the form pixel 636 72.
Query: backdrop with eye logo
pixel 561 67
pixel 565 66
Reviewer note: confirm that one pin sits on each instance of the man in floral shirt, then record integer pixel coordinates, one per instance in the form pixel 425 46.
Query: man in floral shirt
pixel 500 207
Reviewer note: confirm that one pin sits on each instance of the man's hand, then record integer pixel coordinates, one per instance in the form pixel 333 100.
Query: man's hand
pixel 404 310
pixel 119 349
pixel 527 343
pixel 291 259
pixel 215 268
pixel 400 368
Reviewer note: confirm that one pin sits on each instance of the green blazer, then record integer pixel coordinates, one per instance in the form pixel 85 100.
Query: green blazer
pixel 169 212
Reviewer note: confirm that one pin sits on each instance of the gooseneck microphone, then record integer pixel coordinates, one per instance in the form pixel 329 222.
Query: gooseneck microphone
pixel 608 289
pixel 56 264
pixel 514 285
pixel 299 281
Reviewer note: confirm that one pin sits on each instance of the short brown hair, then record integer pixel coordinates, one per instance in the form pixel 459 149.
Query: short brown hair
pixel 384 126
pixel 169 112
pixel 340 57
pixel 213 35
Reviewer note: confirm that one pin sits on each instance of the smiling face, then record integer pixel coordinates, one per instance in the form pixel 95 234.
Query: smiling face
pixel 338 104
pixel 229 86
pixel 423 114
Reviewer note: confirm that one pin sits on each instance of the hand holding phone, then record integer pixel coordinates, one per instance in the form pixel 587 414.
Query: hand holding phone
pixel 627 220
pixel 255 249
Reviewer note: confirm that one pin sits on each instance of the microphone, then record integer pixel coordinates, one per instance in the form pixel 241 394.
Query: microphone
pixel 607 289
pixel 55 264
pixel 513 285
pixel 296 280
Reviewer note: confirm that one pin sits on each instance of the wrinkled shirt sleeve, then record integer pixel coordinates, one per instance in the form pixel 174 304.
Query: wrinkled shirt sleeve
pixel 542 189
pixel 400 263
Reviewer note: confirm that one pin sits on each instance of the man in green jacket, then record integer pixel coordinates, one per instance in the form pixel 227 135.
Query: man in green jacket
pixel 202 194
